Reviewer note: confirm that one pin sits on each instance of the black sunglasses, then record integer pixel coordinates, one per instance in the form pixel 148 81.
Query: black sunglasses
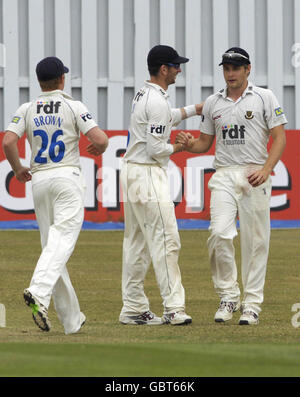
pixel 174 65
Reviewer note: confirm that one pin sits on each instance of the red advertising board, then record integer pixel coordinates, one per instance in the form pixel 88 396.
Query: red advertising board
pixel 188 175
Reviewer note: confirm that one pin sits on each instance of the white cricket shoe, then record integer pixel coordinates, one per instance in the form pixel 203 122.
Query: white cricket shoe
pixel 248 318
pixel 147 318
pixel 177 318
pixel 226 310
pixel 39 311
pixel 82 319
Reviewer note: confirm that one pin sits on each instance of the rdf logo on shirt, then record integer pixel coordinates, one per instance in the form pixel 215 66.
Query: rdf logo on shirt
pixel 233 134
pixel 86 116
pixel 157 129
pixel 48 107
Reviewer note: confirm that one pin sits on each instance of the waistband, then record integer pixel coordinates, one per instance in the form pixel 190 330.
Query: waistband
pixel 242 167
pixel 143 164
pixel 56 172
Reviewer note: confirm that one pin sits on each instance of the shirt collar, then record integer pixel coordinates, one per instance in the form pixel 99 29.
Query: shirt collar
pixel 248 90
pixel 64 94
pixel 158 88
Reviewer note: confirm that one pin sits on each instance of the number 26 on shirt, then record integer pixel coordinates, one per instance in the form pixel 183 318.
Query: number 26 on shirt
pixel 56 148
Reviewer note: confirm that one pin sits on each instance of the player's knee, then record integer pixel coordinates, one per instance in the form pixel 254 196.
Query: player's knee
pixel 219 234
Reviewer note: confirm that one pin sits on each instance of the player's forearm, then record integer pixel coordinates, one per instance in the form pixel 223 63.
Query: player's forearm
pixel 157 148
pixel 183 113
pixel 98 138
pixel 275 153
pixel 12 153
pixel 200 145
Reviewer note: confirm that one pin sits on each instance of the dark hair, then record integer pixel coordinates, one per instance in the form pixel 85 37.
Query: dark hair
pixel 51 85
pixel 153 70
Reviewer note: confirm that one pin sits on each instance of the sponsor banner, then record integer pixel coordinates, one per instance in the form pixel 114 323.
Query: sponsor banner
pixel 188 176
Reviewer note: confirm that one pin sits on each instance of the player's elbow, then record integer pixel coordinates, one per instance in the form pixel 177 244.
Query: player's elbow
pixel 10 139
pixel 150 150
pixel 98 138
pixel 279 138
pixel 153 150
pixel 102 143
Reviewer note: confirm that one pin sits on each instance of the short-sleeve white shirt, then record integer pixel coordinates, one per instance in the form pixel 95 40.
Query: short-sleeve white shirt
pixel 241 127
pixel 152 119
pixel 52 124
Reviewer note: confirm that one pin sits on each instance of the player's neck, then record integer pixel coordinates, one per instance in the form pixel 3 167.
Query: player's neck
pixel 159 81
pixel 235 93
pixel 60 86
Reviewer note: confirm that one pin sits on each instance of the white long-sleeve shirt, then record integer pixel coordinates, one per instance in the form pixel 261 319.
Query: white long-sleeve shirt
pixel 150 126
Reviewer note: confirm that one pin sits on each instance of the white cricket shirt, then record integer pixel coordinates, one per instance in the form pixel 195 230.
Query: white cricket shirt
pixel 150 126
pixel 52 124
pixel 241 127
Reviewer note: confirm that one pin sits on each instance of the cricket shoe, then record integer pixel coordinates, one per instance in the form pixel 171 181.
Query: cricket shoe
pixel 248 318
pixel 147 318
pixel 226 310
pixel 82 319
pixel 39 311
pixel 177 318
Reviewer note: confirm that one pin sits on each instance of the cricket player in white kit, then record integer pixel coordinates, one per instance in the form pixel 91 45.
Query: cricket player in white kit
pixel 242 117
pixel 151 232
pixel 52 124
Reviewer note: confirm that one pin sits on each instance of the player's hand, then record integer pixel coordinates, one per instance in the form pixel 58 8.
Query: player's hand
pixel 258 177
pixel 181 138
pixel 185 138
pixel 92 150
pixel 199 107
pixel 23 174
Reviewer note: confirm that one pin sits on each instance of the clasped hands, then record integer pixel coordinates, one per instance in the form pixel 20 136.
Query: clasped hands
pixel 186 139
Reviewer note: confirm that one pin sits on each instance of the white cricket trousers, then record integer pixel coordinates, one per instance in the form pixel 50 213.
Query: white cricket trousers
pixel 58 196
pixel 151 234
pixel 232 196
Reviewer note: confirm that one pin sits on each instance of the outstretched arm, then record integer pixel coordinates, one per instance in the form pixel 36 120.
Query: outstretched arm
pixel 192 145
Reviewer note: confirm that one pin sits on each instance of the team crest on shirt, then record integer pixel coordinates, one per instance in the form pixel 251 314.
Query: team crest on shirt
pixel 278 111
pixel 16 119
pixel 249 114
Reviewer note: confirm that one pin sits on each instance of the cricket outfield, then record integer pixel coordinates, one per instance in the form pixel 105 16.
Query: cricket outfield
pixel 105 348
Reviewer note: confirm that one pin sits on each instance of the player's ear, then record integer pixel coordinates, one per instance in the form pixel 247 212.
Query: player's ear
pixel 164 70
pixel 62 80
pixel 248 68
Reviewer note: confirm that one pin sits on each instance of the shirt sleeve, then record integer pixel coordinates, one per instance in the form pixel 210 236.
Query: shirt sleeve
pixel 207 125
pixel 18 122
pixel 157 142
pixel 84 119
pixel 176 116
pixel 274 114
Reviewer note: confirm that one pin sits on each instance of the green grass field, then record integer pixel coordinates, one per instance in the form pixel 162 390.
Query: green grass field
pixel 105 348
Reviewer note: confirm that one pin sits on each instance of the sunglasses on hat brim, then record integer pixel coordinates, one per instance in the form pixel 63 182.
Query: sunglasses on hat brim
pixel 234 56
